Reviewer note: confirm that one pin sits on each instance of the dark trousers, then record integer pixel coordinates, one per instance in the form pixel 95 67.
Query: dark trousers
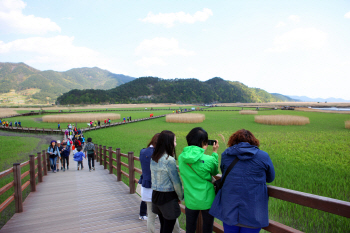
pixel 65 160
pixel 143 209
pixel 191 221
pixel 166 225
pixel 80 163
pixel 91 159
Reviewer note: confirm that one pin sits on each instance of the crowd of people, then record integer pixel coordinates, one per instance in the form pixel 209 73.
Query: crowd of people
pixel 9 124
pixel 74 142
pixel 240 201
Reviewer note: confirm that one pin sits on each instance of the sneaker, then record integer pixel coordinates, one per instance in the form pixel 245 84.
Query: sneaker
pixel 61 168
pixel 67 168
pixel 64 169
pixel 78 168
pixel 93 168
pixel 142 218
pixel 89 170
pixel 54 171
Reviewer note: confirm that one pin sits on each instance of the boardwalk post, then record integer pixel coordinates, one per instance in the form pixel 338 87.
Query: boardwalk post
pixel 100 148
pixel 119 165
pixel 18 187
pixel 48 162
pixel 199 228
pixel 40 168
pixel 32 172
pixel 131 172
pixel 44 163
pixel 110 160
pixel 96 148
pixel 104 157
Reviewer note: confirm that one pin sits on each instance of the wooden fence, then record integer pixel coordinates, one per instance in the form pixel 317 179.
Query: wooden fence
pixel 113 160
pixel 37 169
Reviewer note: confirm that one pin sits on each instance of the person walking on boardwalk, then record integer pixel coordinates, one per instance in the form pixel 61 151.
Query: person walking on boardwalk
pixel 53 154
pixel 78 157
pixel 130 118
pixel 65 156
pixel 196 170
pixel 19 124
pixel 99 123
pixel 166 184
pixel 60 148
pixel 58 126
pixel 124 119
pixel 242 202
pixel 90 153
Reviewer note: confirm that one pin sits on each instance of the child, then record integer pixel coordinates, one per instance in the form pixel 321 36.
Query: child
pixel 65 156
pixel 79 158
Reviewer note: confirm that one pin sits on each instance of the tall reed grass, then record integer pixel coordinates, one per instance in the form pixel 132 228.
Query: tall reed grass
pixel 185 118
pixel 248 112
pixel 282 120
pixel 80 117
pixel 347 124
pixel 4 112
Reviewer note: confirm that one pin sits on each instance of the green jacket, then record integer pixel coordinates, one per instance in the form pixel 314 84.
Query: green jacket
pixel 198 189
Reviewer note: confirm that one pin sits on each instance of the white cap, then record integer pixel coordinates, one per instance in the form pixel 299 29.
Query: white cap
pixel 58 141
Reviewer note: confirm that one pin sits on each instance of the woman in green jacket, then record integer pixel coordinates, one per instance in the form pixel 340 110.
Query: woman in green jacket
pixel 196 170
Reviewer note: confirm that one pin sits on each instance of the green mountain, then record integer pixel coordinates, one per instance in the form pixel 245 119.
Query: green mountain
pixel 48 85
pixel 156 90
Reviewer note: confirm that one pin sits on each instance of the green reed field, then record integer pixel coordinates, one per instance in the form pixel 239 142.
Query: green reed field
pixel 313 158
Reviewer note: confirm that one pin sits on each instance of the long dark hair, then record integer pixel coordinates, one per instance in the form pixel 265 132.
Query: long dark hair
pixel 154 140
pixel 165 144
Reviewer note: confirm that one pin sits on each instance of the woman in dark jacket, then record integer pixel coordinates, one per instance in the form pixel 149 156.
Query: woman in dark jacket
pixel 242 203
pixel 146 181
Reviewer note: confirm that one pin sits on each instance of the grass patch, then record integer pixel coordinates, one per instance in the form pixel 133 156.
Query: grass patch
pixel 312 158
pixel 282 120
pixel 80 117
pixel 185 118
pixel 248 112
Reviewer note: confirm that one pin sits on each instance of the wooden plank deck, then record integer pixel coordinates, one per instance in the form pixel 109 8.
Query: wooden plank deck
pixel 79 201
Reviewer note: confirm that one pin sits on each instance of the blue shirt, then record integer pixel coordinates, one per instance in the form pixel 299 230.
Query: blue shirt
pixel 79 156
pixel 243 198
pixel 145 159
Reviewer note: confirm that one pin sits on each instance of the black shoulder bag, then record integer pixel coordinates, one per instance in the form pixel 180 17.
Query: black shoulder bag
pixel 220 182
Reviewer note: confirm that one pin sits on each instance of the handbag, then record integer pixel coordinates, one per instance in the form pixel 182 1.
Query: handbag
pixel 138 189
pixel 220 182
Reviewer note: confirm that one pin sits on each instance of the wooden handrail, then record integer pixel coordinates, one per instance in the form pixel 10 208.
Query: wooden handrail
pixel 6 172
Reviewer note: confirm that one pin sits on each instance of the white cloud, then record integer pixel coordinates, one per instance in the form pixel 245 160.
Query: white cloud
pixel 294 18
pixel 347 15
pixel 280 24
pixel 299 39
pixel 150 61
pixel 161 46
pixel 58 53
pixel 168 19
pixel 12 20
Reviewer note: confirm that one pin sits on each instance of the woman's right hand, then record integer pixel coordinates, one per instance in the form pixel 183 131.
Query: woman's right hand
pixel 216 146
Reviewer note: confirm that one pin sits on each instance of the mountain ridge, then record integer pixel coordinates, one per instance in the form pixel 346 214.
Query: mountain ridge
pixel 157 90
pixel 50 84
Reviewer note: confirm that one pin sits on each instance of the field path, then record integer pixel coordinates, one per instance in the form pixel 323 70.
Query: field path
pixel 79 201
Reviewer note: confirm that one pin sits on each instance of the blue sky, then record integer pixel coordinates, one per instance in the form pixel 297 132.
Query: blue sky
pixel 287 47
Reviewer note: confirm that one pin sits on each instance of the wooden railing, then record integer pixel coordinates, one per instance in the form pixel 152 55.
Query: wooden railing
pixel 334 206
pixel 16 196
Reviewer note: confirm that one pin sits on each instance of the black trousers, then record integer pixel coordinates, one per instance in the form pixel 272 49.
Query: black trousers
pixel 65 159
pixel 143 209
pixel 166 225
pixel 191 221
pixel 91 159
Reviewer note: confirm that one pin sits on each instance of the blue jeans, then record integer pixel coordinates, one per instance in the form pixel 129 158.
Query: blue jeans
pixel 236 229
pixel 53 163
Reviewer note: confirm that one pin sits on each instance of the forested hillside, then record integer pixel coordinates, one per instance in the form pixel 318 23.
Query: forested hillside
pixel 156 90
pixel 51 84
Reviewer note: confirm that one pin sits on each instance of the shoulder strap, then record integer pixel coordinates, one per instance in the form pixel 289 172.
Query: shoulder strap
pixel 229 169
pixel 194 170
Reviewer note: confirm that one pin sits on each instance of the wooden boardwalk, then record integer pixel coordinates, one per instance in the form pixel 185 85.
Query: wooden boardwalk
pixel 79 201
